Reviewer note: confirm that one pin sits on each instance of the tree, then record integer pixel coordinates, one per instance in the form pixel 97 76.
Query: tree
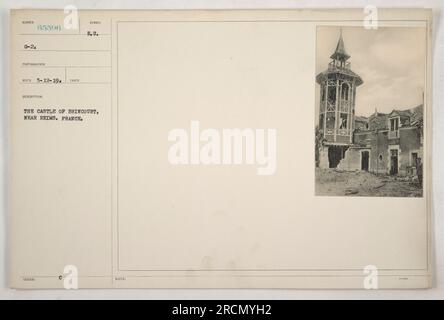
pixel 319 141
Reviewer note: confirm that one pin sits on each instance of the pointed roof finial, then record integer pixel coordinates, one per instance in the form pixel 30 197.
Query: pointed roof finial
pixel 340 53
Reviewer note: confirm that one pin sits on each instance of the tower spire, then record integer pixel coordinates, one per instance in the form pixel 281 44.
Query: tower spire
pixel 340 54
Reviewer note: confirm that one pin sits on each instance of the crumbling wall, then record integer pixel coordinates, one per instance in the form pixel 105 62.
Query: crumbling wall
pixel 409 141
pixel 323 158
pixel 379 153
pixel 378 143
pixel 351 160
pixel 362 138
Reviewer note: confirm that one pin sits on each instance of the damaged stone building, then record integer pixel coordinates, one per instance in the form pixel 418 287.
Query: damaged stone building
pixel 381 143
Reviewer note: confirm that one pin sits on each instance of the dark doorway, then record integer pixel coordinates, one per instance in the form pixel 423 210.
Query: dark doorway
pixel 393 161
pixel 414 158
pixel 364 160
pixel 335 155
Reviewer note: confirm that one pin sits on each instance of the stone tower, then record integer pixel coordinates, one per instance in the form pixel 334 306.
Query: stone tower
pixel 337 106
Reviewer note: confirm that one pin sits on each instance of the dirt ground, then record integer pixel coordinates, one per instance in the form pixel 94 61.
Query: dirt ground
pixel 331 182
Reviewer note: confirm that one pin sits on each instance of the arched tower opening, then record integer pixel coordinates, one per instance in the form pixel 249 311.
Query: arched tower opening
pixel 337 104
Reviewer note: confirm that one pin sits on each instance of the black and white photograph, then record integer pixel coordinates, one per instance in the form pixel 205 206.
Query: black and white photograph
pixel 369 137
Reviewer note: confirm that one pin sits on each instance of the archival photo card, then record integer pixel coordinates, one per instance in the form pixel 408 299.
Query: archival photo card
pixel 220 149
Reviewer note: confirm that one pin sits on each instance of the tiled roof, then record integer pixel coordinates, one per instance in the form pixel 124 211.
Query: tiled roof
pixel 417 114
pixel 362 119
pixel 402 113
pixel 380 120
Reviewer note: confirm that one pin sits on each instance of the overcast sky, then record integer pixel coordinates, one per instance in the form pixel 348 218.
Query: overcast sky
pixel 390 61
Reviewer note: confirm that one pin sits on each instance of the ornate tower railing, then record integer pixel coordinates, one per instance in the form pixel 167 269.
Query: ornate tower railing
pixel 337 98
